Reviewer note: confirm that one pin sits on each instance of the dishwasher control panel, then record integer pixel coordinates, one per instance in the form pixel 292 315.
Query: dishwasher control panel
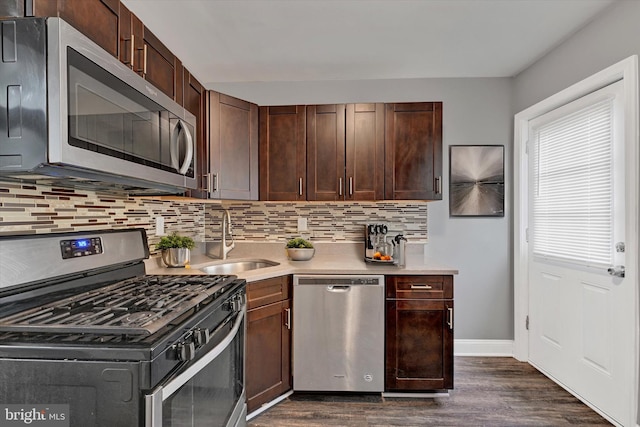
pixel 339 280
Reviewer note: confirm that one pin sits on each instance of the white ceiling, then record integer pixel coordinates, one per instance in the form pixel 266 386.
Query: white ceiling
pixel 315 40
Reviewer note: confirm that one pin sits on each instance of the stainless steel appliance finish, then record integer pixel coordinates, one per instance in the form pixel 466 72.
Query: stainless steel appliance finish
pixel 75 114
pixel 120 347
pixel 338 338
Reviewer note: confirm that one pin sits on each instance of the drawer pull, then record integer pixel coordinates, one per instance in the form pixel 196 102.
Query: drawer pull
pixel 287 322
pixel 421 286
pixel 450 317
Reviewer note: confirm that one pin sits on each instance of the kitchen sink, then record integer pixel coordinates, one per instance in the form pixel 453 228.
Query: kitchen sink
pixel 232 267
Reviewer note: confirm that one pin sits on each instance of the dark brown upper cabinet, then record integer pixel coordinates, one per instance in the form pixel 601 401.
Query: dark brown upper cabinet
pixel 325 152
pixel 131 38
pixel 233 144
pixel 283 153
pixel 194 102
pixel 97 19
pixel 413 151
pixel 345 152
pixel 364 178
pixel 160 67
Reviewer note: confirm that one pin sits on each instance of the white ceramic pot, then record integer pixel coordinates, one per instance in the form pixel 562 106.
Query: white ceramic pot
pixel 176 257
pixel 301 254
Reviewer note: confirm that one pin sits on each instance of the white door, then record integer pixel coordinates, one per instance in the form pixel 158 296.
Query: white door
pixel 581 201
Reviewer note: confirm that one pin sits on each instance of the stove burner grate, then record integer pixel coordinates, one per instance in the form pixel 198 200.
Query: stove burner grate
pixel 138 306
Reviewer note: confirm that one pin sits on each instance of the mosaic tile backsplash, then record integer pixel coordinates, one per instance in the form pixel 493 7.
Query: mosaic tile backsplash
pixel 258 221
pixel 41 209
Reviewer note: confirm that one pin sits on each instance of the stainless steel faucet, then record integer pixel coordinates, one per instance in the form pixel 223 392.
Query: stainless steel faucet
pixel 219 248
pixel 226 229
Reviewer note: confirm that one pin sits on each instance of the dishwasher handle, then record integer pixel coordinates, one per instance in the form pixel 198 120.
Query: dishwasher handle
pixel 338 288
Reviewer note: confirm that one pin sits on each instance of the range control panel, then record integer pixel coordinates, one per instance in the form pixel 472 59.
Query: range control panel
pixel 81 247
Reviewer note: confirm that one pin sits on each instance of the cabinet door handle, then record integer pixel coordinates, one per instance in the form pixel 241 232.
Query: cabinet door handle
pixel 439 185
pixel 131 42
pixel 144 61
pixel 287 321
pixel 132 50
pixel 340 187
pixel 351 186
pixel 212 183
pixel 300 187
pixel 450 317
pixel 421 286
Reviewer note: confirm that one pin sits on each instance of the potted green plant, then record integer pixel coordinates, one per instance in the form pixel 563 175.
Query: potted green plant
pixel 300 249
pixel 175 249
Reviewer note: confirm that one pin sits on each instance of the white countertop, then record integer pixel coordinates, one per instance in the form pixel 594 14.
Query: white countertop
pixel 330 258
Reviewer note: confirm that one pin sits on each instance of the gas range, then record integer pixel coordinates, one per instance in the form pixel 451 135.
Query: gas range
pixel 86 308
pixel 135 307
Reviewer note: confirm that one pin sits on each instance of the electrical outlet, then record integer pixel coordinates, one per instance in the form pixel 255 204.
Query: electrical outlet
pixel 159 226
pixel 302 224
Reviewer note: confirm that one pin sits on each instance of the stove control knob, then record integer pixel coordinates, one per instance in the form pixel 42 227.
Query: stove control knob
pixel 201 336
pixel 185 351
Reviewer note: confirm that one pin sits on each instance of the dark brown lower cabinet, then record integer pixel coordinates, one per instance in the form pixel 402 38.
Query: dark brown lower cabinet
pixel 268 351
pixel 419 333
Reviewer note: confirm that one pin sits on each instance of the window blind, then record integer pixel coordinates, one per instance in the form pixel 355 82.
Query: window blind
pixel 573 186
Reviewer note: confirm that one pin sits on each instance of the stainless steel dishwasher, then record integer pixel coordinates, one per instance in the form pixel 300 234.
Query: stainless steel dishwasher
pixel 338 333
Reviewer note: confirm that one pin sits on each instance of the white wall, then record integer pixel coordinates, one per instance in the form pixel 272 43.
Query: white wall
pixel 613 36
pixel 475 111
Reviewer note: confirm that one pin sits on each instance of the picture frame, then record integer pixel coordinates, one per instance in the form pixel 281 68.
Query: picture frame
pixel 476 180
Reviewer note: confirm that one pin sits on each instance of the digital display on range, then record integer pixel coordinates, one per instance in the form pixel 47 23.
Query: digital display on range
pixel 82 243
pixel 81 247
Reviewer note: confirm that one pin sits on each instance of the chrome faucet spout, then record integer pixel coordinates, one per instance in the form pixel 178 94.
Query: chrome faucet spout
pixel 227 229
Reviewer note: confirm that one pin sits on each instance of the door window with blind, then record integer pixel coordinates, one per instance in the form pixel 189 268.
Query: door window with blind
pixel 573 155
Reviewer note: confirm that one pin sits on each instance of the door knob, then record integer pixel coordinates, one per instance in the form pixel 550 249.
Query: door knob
pixel 617 271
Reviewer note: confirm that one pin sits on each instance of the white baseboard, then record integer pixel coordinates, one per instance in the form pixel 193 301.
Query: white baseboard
pixel 499 348
pixel 268 405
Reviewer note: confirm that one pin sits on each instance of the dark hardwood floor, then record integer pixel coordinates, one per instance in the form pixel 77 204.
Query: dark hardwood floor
pixel 489 391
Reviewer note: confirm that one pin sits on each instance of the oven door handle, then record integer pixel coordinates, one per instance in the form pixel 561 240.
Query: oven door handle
pixel 153 401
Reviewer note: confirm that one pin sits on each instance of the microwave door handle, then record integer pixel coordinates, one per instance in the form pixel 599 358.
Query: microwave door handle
pixel 189 155
pixel 175 137
pixel 173 147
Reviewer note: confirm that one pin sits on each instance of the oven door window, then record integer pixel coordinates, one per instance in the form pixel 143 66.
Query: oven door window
pixel 210 397
pixel 109 117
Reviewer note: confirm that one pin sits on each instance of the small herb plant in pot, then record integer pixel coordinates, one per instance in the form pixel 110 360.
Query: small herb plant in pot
pixel 300 249
pixel 175 249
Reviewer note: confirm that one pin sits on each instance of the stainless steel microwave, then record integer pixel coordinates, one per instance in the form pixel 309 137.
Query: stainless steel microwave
pixel 72 114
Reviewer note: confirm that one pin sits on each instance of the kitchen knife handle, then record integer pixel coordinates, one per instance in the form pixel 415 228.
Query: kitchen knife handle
pixel 287 321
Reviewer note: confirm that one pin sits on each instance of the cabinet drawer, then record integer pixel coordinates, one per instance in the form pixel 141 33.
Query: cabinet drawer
pixel 419 287
pixel 268 291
